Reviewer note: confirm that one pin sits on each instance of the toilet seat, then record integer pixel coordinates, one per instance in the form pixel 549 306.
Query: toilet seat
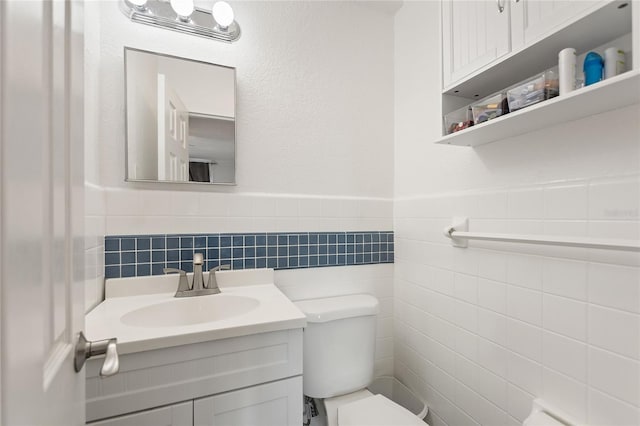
pixel 362 408
pixel 331 405
pixel 376 410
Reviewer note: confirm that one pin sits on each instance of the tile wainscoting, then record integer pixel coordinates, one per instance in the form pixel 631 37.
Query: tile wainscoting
pixel 481 332
pixel 142 255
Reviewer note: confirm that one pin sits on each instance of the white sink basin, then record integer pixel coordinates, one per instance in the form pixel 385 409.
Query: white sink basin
pixel 190 310
pixel 143 314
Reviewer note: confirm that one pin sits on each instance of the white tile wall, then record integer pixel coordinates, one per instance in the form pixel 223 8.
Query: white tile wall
pixel 565 316
pixel 627 295
pixel 565 355
pixel 135 211
pixel 565 392
pixel 521 322
pixel 94 246
pixel 524 304
pixel 114 211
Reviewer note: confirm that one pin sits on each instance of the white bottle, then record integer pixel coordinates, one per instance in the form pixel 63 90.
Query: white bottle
pixel 567 70
pixel 614 62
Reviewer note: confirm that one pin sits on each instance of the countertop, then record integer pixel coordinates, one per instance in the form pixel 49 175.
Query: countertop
pixel 274 312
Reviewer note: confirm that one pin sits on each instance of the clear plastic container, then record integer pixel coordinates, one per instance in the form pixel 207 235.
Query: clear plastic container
pixel 489 108
pixel 457 120
pixel 533 90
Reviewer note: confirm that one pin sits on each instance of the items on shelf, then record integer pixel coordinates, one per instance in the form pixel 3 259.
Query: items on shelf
pixel 533 90
pixel 593 67
pixel 459 119
pixel 614 62
pixel 567 70
pixel 489 108
pixel 541 87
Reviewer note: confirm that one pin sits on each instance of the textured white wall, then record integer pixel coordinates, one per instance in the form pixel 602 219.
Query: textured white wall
pixel 480 332
pixel 314 127
pixel 315 94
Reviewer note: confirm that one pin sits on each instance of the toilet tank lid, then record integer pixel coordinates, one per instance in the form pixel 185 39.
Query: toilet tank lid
pixel 335 308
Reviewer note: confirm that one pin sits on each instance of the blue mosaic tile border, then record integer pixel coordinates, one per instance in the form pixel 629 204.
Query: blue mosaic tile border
pixel 143 255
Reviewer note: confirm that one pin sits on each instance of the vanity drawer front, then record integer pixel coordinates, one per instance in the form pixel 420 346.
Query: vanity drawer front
pixel 272 404
pixel 173 415
pixel 165 376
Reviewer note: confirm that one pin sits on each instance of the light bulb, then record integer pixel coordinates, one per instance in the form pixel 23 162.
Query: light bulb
pixel 138 3
pixel 223 14
pixel 184 8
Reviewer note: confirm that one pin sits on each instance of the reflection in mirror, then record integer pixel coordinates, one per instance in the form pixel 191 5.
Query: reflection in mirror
pixel 180 119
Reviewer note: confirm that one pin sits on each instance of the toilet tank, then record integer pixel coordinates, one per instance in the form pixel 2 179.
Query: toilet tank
pixel 339 344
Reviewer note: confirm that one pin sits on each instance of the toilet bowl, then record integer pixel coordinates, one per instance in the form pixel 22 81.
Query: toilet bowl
pixel 338 361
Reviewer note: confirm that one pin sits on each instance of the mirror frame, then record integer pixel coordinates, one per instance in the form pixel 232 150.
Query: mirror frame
pixel 126 122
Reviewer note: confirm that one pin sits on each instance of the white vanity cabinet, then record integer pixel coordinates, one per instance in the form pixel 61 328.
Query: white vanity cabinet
pixel 477 61
pixel 476 34
pixel 272 404
pixel 239 381
pixel 172 415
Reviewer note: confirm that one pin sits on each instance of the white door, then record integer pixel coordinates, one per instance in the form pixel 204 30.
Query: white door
pixel 41 211
pixel 474 34
pixel 532 20
pixel 173 131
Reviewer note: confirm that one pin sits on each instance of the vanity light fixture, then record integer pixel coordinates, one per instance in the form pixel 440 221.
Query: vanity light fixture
pixel 183 16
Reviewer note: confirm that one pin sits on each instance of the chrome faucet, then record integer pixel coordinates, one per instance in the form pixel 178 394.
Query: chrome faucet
pixel 198 280
pixel 197 287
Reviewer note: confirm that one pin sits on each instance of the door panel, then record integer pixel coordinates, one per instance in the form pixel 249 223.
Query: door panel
pixel 173 130
pixel 272 404
pixel 475 33
pixel 531 20
pixel 173 415
pixel 41 216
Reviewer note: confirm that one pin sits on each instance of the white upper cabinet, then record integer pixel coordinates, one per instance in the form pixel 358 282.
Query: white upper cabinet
pixel 475 33
pixel 532 20
pixel 491 45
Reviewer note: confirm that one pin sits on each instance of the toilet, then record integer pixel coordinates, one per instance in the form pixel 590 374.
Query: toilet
pixel 338 360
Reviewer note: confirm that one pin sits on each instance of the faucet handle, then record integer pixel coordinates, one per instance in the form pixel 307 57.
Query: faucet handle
pixel 183 284
pixel 220 268
pixel 212 275
pixel 198 259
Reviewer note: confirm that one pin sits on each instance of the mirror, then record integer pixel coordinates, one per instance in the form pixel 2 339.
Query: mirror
pixel 180 119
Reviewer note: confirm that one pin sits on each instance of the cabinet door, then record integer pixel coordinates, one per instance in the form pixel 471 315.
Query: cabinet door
pixel 474 34
pixel 172 415
pixel 532 20
pixel 272 404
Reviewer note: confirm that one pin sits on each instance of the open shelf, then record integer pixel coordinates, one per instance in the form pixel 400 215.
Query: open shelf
pixel 616 92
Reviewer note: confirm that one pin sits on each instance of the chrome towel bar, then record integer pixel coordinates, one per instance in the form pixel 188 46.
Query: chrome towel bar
pixel 459 235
